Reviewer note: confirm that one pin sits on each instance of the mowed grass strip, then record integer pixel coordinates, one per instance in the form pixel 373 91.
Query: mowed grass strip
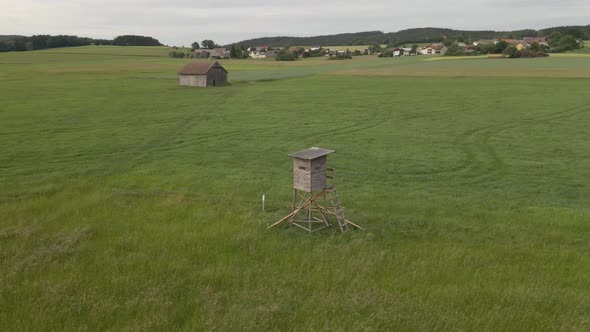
pixel 566 66
pixel 127 202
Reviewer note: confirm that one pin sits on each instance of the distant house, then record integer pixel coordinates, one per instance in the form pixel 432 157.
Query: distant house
pixel 488 41
pixel 521 46
pixel 219 53
pixel 216 53
pixel 434 49
pixel 202 74
pixel 257 53
pixel 202 53
pixel 402 51
pixel 540 40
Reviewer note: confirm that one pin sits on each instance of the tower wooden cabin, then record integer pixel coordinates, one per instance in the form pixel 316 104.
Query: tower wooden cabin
pixel 309 169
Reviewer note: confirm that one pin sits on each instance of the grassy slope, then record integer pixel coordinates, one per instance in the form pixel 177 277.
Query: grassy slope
pixel 585 50
pixel 128 202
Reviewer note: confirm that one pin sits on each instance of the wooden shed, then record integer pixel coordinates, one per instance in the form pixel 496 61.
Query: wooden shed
pixel 202 74
pixel 309 169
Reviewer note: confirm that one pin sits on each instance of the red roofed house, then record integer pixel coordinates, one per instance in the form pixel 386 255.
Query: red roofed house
pixel 202 74
pixel 540 40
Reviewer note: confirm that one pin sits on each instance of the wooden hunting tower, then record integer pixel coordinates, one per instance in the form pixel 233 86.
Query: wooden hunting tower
pixel 309 169
pixel 314 185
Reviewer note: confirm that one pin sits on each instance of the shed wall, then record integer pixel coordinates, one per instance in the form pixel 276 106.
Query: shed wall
pixel 192 80
pixel 216 77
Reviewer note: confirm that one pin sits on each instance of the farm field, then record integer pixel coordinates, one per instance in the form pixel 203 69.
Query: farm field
pixel 129 203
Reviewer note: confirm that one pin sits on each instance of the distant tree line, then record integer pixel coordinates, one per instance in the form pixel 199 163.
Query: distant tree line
pixel 39 42
pixel 133 40
pixel 412 36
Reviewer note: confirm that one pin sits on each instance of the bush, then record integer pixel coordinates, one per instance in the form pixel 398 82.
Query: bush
pixel 532 54
pixel 343 56
pixel 500 47
pixel 176 54
pixel 386 54
pixel 487 48
pixel 510 52
pixel 455 50
pixel 285 57
pixel 564 43
pixel 513 52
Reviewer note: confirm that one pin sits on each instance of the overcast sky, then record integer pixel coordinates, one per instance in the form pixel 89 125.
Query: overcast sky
pixel 179 22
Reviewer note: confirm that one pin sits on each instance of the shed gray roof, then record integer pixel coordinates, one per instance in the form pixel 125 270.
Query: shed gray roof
pixel 199 68
pixel 311 153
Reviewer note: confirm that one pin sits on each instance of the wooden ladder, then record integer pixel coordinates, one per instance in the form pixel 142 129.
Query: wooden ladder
pixel 338 209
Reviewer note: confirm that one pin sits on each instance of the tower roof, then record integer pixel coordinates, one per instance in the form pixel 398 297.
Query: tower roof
pixel 311 153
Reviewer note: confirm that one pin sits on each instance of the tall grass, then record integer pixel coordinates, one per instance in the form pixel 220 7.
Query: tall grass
pixel 127 202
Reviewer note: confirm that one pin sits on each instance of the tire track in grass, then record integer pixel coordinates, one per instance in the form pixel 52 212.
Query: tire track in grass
pixel 134 157
pixel 427 114
pixel 357 126
pixel 483 161
pixel 344 130
pixel 141 152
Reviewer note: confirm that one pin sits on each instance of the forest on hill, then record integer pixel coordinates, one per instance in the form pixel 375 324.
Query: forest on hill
pixel 40 42
pixel 9 37
pixel 417 35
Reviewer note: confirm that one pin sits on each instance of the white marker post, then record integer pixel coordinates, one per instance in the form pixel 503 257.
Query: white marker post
pixel 263 199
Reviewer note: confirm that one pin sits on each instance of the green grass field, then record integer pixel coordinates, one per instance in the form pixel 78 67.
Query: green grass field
pixel 129 203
